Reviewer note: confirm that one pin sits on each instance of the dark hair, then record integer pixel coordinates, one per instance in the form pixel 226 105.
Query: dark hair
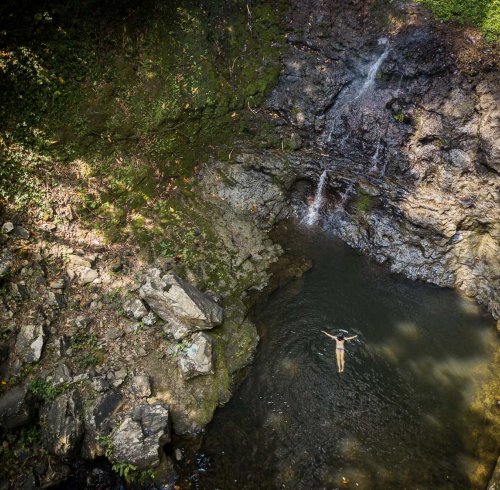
pixel 340 336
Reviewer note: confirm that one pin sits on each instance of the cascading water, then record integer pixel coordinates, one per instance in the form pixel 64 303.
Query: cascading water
pixel 372 72
pixel 313 212
pixel 369 81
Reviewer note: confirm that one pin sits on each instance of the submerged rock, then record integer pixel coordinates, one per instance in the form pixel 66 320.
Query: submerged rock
pixel 141 435
pixel 62 425
pixel 197 359
pixel 181 305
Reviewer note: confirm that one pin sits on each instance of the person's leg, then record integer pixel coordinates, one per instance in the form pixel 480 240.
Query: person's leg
pixel 342 361
pixel 338 353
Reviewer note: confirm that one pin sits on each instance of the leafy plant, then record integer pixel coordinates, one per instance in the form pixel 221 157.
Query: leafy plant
pixel 133 475
pixel 45 390
pixel 484 14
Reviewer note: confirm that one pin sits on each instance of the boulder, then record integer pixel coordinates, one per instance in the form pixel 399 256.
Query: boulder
pixel 140 436
pixel 16 407
pixel 141 385
pixel 134 308
pixel 29 343
pixel 180 304
pixel 197 358
pixel 87 275
pixel 99 416
pixel 62 426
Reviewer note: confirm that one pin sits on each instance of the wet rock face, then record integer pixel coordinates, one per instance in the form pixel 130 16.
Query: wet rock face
pixel 141 434
pixel 181 305
pixel 409 140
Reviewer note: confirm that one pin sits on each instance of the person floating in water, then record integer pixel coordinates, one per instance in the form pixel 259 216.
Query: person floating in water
pixel 339 351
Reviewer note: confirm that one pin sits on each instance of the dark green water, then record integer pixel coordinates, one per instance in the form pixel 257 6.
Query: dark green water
pixel 393 419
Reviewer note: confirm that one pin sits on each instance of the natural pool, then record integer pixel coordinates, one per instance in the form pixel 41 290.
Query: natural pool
pixel 400 415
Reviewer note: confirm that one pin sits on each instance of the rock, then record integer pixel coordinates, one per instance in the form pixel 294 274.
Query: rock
pixel 141 435
pixel 16 407
pixel 134 308
pixel 76 261
pixel 19 291
pixel 197 358
pixel 82 322
pixel 141 385
pixel 62 424
pixel 62 375
pixel 4 269
pixel 494 483
pixel 99 416
pixel 7 227
pixel 149 320
pixel 121 373
pixel 20 232
pixel 63 345
pixel 181 305
pixel 100 384
pixel 87 275
pixel 55 299
pixel 113 333
pixel 57 284
pixel 116 264
pixel 29 343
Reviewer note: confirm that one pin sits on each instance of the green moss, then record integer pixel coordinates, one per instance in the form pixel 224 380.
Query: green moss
pixel 483 14
pixel 363 203
pixel 141 102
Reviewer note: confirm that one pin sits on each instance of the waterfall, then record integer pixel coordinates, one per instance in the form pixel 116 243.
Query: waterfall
pixel 313 212
pixel 369 81
pixel 372 72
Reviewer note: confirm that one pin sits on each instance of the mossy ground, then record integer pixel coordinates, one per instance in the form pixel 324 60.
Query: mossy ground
pixel 483 14
pixel 115 105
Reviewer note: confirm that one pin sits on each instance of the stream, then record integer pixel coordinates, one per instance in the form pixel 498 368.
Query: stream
pixel 394 419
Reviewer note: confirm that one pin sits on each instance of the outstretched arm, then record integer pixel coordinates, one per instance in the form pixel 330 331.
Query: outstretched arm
pixel 334 338
pixel 350 338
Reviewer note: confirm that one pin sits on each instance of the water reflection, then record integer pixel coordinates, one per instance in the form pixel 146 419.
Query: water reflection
pixel 393 419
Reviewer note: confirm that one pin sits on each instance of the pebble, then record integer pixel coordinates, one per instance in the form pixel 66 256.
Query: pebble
pixel 7 227
pixel 114 333
pixel 58 284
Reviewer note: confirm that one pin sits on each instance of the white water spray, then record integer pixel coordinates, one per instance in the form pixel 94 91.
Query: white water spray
pixel 313 212
pixel 374 68
pixel 369 81
pixel 346 194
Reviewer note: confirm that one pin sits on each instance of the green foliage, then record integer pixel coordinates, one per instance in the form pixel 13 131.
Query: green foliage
pixel 105 442
pixel 364 203
pixel 86 349
pixel 399 117
pixel 484 14
pixel 45 390
pixel 29 436
pixel 166 248
pixel 131 474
